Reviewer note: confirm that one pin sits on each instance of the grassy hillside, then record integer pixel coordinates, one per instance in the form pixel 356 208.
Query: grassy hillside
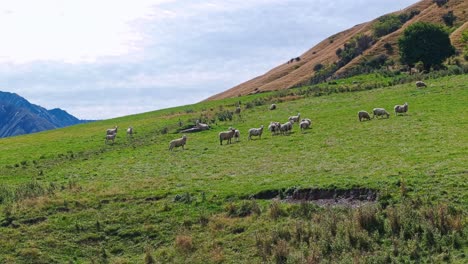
pixel 65 196
pixel 300 72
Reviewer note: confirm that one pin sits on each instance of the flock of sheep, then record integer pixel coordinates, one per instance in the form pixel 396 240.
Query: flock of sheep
pixel 275 127
pixel 381 112
pixel 111 133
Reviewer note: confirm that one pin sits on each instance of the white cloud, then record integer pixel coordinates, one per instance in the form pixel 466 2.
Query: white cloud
pixel 71 31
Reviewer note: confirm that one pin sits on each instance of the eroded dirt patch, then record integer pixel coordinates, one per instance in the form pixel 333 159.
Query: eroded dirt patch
pixel 354 197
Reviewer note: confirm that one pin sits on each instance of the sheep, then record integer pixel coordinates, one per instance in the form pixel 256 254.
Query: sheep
pixel 380 112
pixel 180 142
pixel 111 137
pixel 111 131
pixel 401 108
pixel 307 120
pixel 130 131
pixel 274 127
pixel 272 106
pixel 226 135
pixel 420 84
pixel 256 132
pixel 201 126
pixel 295 119
pixel 363 115
pixel 304 125
pixel 286 127
pixel 238 110
pixel 237 135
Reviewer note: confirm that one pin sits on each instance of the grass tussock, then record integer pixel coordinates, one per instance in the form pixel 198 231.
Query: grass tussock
pixel 184 244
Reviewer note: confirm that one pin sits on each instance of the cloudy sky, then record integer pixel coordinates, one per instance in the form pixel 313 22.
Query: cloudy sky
pixel 100 59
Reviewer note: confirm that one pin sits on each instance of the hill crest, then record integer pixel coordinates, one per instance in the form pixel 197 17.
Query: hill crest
pixel 299 72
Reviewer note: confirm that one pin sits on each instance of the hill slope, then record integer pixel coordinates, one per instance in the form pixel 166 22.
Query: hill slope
pixel 18 116
pixel 300 72
pixel 67 196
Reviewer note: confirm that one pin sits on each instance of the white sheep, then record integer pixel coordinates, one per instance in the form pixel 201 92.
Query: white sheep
pixel 226 135
pixel 272 106
pixel 130 131
pixel 401 108
pixel 111 131
pixel 286 127
pixel 180 142
pixel 420 84
pixel 380 112
pixel 304 125
pixel 295 119
pixel 237 135
pixel 110 137
pixel 256 132
pixel 274 127
pixel 307 120
pixel 363 115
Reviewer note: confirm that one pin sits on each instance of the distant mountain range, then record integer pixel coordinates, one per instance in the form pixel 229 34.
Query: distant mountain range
pixel 18 116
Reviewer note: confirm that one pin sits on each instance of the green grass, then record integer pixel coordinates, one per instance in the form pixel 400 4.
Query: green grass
pixel 66 196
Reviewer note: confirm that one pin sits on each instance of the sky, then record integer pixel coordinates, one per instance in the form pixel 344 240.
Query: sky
pixel 101 59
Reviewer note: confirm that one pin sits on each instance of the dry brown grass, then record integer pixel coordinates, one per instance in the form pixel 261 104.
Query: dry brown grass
pixel 184 243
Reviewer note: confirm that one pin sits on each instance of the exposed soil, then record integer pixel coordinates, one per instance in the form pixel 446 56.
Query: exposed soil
pixel 354 197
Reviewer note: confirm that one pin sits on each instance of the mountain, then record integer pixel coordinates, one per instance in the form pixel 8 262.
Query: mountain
pixel 18 116
pixel 325 55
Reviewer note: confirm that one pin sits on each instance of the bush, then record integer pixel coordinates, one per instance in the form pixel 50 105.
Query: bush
pixel 389 48
pixel 318 67
pixel 449 18
pixel 440 2
pixel 413 45
pixel 386 25
pixel 355 47
pixel 224 115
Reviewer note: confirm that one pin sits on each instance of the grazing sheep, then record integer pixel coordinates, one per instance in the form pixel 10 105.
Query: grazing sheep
pixel 226 135
pixel 380 112
pixel 307 120
pixel 256 132
pixel 201 126
pixel 111 131
pixel 286 127
pixel 420 84
pixel 274 127
pixel 401 108
pixel 304 125
pixel 237 135
pixel 272 107
pixel 130 131
pixel 111 137
pixel 363 115
pixel 295 119
pixel 180 142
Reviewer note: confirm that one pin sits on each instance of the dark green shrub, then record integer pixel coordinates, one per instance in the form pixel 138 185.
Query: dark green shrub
pixel 225 115
pixel 425 42
pixel 440 2
pixel 386 25
pixel 449 18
